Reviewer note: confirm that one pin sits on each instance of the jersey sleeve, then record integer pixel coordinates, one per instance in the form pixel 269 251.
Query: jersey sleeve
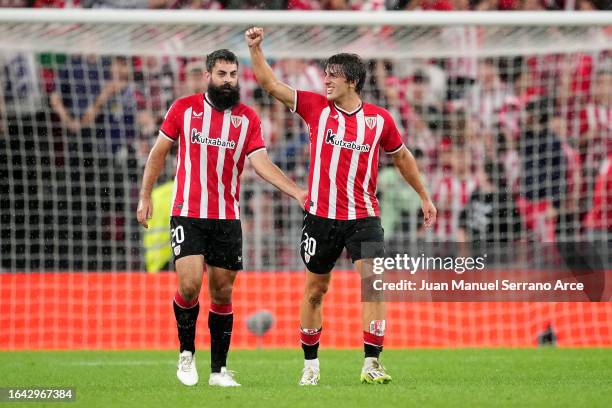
pixel 390 140
pixel 171 127
pixel 255 141
pixel 309 104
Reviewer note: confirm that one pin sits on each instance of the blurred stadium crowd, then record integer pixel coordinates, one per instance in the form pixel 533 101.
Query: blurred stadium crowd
pixel 364 5
pixel 512 148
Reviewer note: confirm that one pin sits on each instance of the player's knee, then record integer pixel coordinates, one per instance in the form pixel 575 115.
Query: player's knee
pixel 221 294
pixel 189 290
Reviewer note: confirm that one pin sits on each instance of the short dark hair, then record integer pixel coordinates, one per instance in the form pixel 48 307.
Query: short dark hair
pixel 349 66
pixel 220 55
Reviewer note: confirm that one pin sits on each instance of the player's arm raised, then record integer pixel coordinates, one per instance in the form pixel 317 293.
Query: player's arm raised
pixel 272 174
pixel 154 166
pixel 407 166
pixel 263 72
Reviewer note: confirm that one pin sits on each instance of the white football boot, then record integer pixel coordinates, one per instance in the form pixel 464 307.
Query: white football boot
pixel 373 372
pixel 186 369
pixel 310 373
pixel 223 379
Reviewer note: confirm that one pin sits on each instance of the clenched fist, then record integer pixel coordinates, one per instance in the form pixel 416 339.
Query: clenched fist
pixel 254 36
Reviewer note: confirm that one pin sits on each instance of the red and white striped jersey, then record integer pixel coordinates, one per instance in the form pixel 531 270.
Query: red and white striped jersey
pixel 344 149
pixel 596 121
pixel 466 40
pixel 213 145
pixel 451 193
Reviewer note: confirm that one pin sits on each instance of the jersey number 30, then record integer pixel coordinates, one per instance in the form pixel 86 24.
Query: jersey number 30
pixel 310 245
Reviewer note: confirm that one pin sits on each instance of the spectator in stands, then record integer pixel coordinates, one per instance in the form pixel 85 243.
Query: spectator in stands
pixel 3 114
pixel 421 115
pixel 596 125
pixel 462 71
pixel 488 95
pixel 570 213
pixel 86 103
pixel 490 214
pixel 154 78
pixel 334 5
pixel 437 5
pixel 542 159
pixel 253 4
pixel 400 207
pixel 305 75
pixel 300 5
pixel 77 81
pixel 194 81
pixel 197 4
pixel 21 85
pixel 598 221
pixel 452 186
pixel 506 5
pixel 532 5
pixel 126 4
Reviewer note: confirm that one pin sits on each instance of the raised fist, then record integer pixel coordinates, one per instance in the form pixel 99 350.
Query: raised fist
pixel 254 36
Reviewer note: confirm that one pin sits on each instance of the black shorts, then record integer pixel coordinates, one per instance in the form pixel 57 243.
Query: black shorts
pixel 323 240
pixel 219 241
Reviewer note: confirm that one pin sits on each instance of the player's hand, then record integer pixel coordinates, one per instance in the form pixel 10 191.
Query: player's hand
pixel 144 211
pixel 254 36
pixel 301 197
pixel 429 213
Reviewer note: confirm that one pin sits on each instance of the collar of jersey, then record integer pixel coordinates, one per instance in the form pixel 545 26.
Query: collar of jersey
pixel 339 109
pixel 212 105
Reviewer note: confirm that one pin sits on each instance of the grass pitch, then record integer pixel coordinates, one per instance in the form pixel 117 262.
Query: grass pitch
pixel 421 378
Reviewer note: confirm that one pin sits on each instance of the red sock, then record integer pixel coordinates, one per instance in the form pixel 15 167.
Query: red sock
pixel 310 337
pixel 310 342
pixel 372 344
pixel 221 309
pixel 184 304
pixel 372 339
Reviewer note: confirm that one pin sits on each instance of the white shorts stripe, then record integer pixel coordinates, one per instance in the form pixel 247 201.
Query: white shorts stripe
pixel 243 133
pixel 314 190
pixel 350 183
pixel 221 160
pixel 380 123
pixel 204 161
pixel 333 169
pixel 186 187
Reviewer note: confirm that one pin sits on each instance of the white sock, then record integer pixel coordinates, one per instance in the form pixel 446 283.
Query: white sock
pixel 368 361
pixel 312 363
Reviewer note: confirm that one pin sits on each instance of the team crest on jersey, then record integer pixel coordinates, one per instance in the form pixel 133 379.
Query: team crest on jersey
pixel 177 250
pixel 236 120
pixel 370 121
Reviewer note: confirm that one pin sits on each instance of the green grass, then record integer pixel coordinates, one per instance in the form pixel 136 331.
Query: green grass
pixel 421 378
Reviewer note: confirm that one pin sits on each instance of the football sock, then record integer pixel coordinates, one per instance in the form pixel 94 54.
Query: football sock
pixel 220 323
pixel 372 344
pixel 310 342
pixel 186 314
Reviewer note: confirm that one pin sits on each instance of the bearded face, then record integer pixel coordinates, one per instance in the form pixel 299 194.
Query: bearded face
pixel 224 96
pixel 223 88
